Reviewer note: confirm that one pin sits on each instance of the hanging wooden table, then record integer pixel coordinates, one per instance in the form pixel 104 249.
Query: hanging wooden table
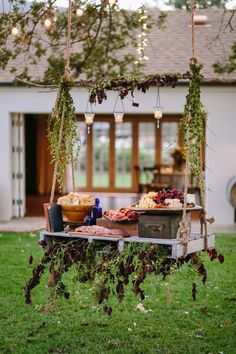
pixel 177 249
pixel 156 226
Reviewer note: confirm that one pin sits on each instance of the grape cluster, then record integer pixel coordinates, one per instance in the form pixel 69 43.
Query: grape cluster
pixel 168 194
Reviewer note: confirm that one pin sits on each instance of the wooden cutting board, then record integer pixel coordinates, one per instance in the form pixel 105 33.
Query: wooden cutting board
pixel 103 235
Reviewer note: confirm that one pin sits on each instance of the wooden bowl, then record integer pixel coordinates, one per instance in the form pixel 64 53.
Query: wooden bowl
pixel 76 212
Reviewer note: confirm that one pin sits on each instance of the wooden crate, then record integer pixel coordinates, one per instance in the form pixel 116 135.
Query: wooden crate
pixel 163 226
pixel 130 228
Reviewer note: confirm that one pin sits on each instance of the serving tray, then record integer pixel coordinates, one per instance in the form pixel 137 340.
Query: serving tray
pixel 163 210
pixel 93 234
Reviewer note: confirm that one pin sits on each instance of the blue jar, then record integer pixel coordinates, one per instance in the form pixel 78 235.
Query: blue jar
pixel 89 220
pixel 97 210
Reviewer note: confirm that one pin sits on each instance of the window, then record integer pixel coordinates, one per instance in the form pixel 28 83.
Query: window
pixel 169 141
pixel 123 155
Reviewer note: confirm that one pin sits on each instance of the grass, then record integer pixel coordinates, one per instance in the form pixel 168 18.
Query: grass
pixel 101 179
pixel 80 326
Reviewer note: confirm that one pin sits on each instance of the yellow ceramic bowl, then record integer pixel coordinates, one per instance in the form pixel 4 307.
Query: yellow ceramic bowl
pixel 76 212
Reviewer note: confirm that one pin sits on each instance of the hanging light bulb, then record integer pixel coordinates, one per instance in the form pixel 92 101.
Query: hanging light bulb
pixel 47 23
pixel 15 31
pixel 79 12
pixel 89 119
pixel 112 2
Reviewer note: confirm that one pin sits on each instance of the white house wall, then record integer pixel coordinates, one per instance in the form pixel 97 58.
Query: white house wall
pixel 220 155
pixel 220 103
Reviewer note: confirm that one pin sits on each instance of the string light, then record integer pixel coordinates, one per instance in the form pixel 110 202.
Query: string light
pixel 79 12
pixel 15 31
pixel 112 2
pixel 142 43
pixel 47 23
pixel 50 19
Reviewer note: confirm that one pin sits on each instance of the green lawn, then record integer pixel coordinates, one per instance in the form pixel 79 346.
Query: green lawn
pixel 101 179
pixel 78 325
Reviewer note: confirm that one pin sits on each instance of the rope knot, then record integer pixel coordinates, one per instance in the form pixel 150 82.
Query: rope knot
pixel 193 61
pixel 67 72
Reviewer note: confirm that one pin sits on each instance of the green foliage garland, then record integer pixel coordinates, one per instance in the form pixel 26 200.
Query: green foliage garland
pixel 124 85
pixel 69 139
pixel 194 118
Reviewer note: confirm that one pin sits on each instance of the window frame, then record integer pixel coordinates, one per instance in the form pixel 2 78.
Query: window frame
pixel 135 119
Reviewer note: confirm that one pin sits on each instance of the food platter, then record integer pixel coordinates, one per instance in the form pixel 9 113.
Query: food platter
pixel 97 235
pixel 121 221
pixel 163 210
pixel 121 216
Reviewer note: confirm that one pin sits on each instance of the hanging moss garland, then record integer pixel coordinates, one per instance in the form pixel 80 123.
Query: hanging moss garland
pixel 194 117
pixel 62 147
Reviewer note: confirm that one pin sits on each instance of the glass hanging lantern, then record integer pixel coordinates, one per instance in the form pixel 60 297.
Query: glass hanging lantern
pixel 158 114
pixel 158 109
pixel 119 114
pixel 89 120
pixel 119 117
pixel 89 116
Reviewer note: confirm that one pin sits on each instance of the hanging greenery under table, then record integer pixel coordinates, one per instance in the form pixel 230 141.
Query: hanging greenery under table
pixel 107 269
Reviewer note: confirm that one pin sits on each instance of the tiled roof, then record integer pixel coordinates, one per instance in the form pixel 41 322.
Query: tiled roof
pixel 169 48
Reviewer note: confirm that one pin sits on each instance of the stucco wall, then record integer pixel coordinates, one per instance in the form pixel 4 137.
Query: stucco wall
pixel 221 134
pixel 220 103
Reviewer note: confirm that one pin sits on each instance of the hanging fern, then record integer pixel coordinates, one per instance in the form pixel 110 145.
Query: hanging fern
pixel 194 118
pixel 62 147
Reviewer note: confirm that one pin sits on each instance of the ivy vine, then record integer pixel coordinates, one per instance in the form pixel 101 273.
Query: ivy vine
pixel 194 118
pixel 62 147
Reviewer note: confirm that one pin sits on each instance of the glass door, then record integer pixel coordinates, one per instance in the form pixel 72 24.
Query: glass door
pixel 146 148
pixel 101 155
pixel 123 155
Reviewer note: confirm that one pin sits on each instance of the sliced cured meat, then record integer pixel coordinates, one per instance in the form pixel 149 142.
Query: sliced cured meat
pixel 99 230
pixel 121 214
